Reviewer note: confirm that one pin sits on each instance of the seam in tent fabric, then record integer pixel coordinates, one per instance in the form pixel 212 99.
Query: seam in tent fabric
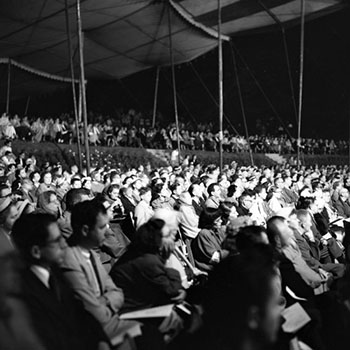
pixel 42 19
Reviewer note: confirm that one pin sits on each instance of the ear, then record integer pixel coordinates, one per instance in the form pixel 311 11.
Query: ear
pixel 85 230
pixel 35 252
pixel 253 318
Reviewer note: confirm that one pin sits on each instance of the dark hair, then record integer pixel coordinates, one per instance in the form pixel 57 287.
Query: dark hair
pixel 74 180
pixel 248 237
pixel 74 196
pixel 85 213
pixel 245 194
pixel 144 190
pixel 208 217
pixel 43 175
pixel 211 188
pixel 191 188
pixel 259 188
pixel 31 175
pixel 227 303
pixel 30 230
pixel 148 238
pixel 305 202
pixel 111 188
pixel 231 190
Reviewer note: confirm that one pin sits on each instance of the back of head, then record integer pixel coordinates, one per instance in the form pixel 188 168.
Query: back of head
pixel 304 202
pixel 208 217
pixel 75 196
pixel 148 238
pixel 228 303
pixel 249 236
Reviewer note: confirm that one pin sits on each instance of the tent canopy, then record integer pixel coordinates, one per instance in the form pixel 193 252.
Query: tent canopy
pixel 123 37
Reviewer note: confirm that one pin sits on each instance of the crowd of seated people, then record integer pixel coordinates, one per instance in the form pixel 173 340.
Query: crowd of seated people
pixel 249 257
pixel 131 129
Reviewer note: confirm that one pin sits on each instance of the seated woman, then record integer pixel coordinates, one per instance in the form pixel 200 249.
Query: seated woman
pixel 141 271
pixel 206 247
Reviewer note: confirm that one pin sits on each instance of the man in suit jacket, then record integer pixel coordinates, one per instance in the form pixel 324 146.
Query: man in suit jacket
pixel 85 273
pixel 59 319
pixel 309 246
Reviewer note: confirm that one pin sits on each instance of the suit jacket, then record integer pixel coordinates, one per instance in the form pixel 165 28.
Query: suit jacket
pixel 343 208
pixel 105 308
pixel 61 323
pixel 290 278
pixel 198 207
pixel 212 202
pixel 309 250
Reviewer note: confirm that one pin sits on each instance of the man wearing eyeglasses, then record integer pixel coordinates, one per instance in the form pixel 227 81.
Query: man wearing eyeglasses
pixel 58 319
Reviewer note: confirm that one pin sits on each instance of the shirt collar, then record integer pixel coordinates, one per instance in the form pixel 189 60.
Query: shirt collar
pixel 42 273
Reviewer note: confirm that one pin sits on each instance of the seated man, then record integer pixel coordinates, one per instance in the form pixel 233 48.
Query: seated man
pixel 85 273
pixel 309 246
pixel 59 320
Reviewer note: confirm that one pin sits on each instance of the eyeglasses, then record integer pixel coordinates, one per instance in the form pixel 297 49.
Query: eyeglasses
pixel 57 240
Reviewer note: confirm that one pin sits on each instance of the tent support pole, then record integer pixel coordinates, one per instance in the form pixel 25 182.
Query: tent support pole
pixel 242 105
pixel 301 76
pixel 285 46
pixel 8 87
pixel 155 98
pixel 221 94
pixel 83 87
pixel 73 86
pixel 27 106
pixel 171 51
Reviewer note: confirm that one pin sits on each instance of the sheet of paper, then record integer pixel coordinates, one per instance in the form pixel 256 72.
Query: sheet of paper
pixel 295 318
pixel 154 312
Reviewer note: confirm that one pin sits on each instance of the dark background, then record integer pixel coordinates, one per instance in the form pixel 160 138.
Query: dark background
pixel 326 96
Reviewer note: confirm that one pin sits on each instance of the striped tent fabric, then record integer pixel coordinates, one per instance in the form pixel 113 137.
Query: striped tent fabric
pixel 247 16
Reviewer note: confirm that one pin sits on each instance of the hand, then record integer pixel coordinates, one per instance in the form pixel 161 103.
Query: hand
pixel 180 297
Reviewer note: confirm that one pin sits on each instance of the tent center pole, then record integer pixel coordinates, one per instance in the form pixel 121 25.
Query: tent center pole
pixel 221 94
pixel 83 87
pixel 301 76
pixel 73 86
pixel 171 51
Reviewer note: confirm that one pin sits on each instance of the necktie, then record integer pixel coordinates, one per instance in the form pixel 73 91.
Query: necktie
pixel 54 287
